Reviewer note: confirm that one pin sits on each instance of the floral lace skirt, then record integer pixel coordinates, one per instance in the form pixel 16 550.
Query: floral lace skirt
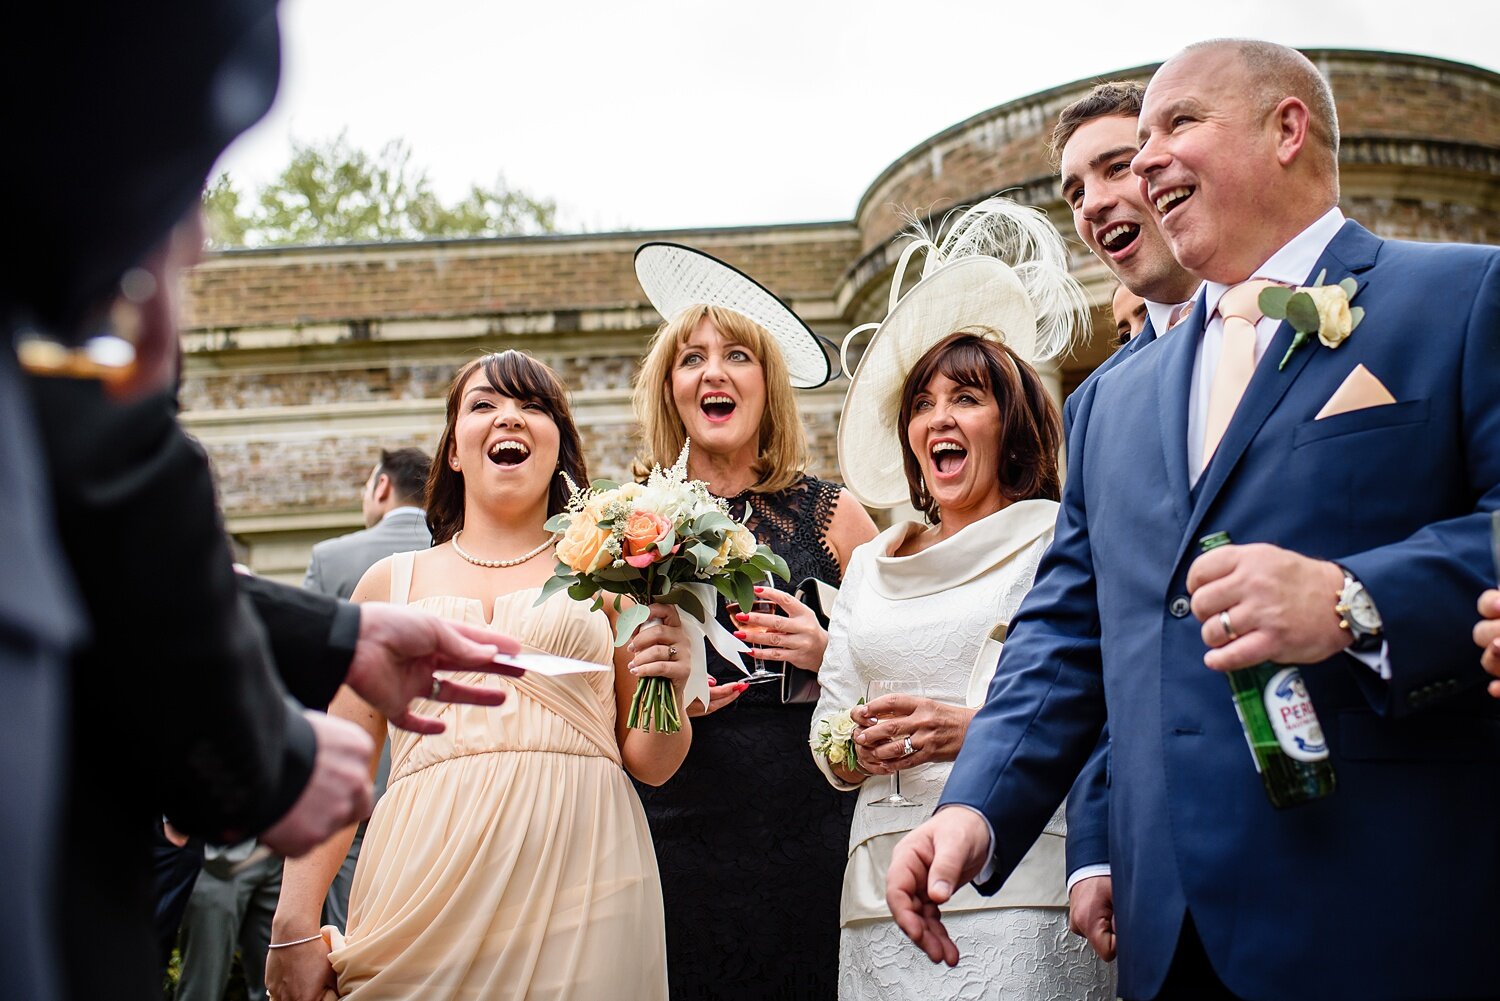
pixel 1008 954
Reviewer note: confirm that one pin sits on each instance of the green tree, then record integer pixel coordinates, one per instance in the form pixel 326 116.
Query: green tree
pixel 334 192
pixel 226 221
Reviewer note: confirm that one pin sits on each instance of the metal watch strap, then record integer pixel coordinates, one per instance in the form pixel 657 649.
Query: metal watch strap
pixel 1364 640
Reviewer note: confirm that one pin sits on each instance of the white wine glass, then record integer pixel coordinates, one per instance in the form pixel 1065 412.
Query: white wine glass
pixel 873 691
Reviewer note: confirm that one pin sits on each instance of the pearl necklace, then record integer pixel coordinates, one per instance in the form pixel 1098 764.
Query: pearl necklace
pixel 498 564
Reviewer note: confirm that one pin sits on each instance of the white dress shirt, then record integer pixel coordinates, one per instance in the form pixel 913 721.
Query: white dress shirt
pixel 1161 313
pixel 1291 265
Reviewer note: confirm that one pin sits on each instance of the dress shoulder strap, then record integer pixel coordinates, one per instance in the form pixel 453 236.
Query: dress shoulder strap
pixel 401 566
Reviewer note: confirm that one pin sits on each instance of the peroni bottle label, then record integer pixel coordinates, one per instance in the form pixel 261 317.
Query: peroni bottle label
pixel 1293 718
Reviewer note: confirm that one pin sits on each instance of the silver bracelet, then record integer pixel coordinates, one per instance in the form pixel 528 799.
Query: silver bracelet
pixel 300 941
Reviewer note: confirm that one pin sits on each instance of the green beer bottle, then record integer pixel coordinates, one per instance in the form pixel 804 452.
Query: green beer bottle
pixel 1280 724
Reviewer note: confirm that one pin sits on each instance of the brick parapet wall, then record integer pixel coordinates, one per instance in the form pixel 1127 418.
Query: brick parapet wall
pixel 288 287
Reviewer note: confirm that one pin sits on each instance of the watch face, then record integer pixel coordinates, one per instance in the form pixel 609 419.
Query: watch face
pixel 1362 611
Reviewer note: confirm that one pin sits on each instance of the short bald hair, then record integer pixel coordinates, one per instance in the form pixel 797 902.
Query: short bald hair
pixel 1280 71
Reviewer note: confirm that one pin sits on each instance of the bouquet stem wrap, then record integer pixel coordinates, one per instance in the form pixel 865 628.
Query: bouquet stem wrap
pixel 655 702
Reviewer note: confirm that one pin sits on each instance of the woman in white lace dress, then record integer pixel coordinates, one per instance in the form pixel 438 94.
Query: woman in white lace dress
pixel 924 607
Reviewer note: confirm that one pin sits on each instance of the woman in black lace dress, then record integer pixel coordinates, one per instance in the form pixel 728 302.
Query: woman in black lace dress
pixel 750 838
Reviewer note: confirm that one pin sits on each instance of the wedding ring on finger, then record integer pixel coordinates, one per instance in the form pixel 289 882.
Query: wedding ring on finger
pixel 906 749
pixel 1229 634
pixel 437 686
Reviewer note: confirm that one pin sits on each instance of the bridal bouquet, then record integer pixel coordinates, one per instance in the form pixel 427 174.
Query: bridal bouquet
pixel 670 541
pixel 834 739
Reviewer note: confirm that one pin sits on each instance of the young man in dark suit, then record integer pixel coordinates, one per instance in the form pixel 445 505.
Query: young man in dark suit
pixel 1092 144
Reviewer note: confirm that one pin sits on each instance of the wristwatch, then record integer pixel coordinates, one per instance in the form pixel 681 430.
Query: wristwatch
pixel 1357 613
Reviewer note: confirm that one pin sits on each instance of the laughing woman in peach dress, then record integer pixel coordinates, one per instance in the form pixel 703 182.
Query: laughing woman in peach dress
pixel 509 857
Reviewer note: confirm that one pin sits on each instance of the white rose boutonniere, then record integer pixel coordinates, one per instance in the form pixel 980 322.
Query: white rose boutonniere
pixel 1314 309
pixel 834 739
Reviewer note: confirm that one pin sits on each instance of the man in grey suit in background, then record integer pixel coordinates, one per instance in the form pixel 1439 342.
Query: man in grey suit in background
pixel 394 523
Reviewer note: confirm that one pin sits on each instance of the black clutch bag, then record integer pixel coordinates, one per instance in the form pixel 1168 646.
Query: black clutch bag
pixel 799 687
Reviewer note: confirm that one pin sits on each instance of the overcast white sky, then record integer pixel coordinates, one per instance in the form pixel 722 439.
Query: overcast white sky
pixel 666 113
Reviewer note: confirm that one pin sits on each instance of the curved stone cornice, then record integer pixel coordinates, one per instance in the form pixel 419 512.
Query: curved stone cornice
pixel 1429 154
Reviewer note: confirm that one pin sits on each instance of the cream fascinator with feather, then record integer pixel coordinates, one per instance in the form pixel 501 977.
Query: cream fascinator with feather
pixel 999 265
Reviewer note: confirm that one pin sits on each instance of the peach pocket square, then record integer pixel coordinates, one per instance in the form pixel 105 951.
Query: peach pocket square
pixel 1360 391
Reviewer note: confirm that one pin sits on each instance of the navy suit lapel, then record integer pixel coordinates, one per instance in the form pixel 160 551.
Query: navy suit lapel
pixel 1146 336
pixel 1174 375
pixel 1350 253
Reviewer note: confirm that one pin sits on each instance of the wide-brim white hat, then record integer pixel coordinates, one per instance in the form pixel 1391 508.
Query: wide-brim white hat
pixel 1033 307
pixel 675 277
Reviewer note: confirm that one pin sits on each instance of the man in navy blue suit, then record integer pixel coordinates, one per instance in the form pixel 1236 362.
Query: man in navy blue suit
pixel 1357 478
pixel 1093 143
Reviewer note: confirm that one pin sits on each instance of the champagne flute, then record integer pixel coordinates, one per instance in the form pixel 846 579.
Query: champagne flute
pixel 873 691
pixel 761 606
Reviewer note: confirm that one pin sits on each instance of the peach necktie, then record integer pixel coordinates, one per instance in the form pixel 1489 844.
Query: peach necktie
pixel 1240 309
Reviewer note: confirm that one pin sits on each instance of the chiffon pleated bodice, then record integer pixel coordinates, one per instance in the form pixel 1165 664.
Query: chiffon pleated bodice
pixel 574 714
pixel 509 857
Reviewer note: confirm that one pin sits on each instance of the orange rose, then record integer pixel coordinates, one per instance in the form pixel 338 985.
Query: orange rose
pixel 642 530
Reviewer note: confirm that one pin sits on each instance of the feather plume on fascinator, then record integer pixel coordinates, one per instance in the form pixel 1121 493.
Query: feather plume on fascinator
pixel 1025 239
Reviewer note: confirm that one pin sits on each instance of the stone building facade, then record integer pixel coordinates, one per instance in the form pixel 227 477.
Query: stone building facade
pixel 303 362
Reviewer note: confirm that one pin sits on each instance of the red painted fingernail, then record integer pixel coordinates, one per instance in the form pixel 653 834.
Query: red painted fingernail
pixel 713 681
pixel 739 635
pixel 742 617
pixel 760 590
pixel 741 686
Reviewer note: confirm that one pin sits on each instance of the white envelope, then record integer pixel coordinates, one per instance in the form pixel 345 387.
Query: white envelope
pixel 550 665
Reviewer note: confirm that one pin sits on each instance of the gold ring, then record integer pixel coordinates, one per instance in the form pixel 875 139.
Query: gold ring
pixel 1229 632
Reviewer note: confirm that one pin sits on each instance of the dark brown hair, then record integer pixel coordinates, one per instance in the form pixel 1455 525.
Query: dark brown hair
pixel 407 469
pixel 520 377
pixel 1030 429
pixel 1106 100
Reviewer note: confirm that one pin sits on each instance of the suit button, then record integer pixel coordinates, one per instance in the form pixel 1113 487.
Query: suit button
pixel 1180 606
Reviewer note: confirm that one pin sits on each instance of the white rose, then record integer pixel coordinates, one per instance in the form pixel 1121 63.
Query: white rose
pixel 836 753
pixel 1334 320
pixel 841 727
pixel 744 543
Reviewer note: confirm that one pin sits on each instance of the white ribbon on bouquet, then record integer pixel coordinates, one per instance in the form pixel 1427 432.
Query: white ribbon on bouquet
pixel 701 633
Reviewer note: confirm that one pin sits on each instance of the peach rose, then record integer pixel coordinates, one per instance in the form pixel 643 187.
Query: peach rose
pixel 642 530
pixel 582 546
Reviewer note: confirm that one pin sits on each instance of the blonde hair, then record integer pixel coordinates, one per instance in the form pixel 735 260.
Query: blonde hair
pixel 781 453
